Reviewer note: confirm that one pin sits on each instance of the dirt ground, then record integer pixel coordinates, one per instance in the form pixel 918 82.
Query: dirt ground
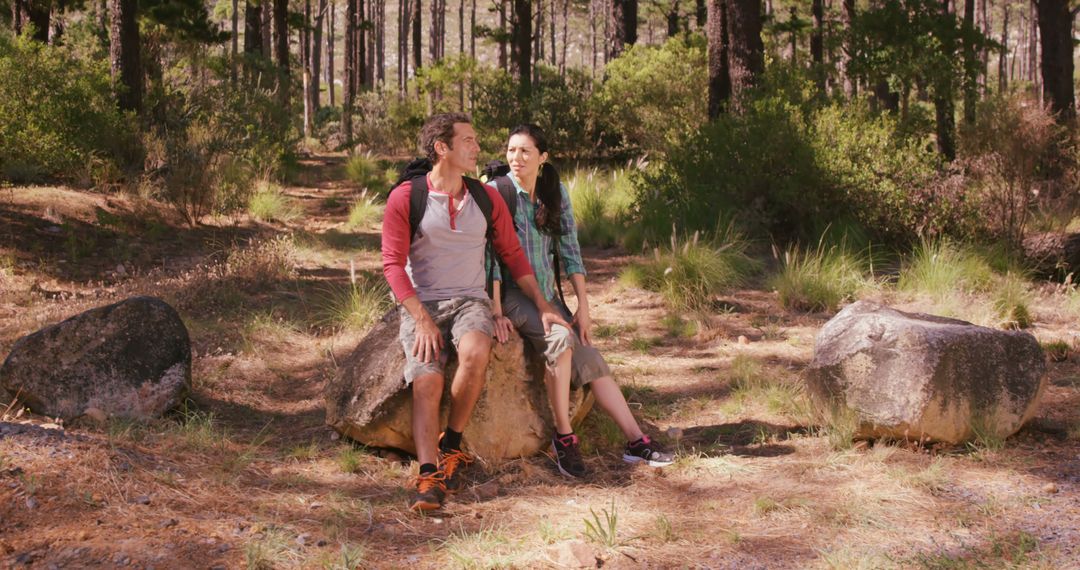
pixel 250 476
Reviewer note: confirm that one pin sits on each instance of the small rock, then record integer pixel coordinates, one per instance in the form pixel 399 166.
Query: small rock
pixel 142 500
pixel 315 505
pixel 487 491
pixel 321 543
pixel 120 269
pixel 303 539
pixel 334 436
pixel 573 554
pixel 743 340
pixel 674 433
pixel 1050 488
pixel 96 415
pixel 32 503
pixel 169 523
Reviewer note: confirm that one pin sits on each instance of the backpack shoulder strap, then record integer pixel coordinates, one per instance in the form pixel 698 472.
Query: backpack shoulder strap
pixel 483 201
pixel 508 193
pixel 417 204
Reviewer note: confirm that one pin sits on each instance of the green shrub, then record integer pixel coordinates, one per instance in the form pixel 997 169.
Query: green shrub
pixel 601 205
pixel 1011 299
pixel 268 203
pixel 652 96
pixel 364 211
pixel 819 279
pixel 58 118
pixel 366 172
pixel 691 273
pixel 941 268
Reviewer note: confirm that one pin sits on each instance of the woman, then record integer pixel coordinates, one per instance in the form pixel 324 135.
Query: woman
pixel 543 214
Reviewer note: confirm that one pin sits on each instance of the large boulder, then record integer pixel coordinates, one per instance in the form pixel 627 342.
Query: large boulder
pixel 922 377
pixel 1053 254
pixel 131 359
pixel 367 400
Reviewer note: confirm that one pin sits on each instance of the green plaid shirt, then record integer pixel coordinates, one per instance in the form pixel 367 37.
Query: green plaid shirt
pixel 537 245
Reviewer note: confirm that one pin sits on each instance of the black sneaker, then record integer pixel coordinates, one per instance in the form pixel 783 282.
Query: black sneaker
pixel 430 492
pixel 452 463
pixel 645 450
pixel 568 456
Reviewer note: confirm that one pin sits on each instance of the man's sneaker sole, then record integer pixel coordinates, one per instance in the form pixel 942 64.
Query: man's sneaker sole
pixel 634 459
pixel 425 506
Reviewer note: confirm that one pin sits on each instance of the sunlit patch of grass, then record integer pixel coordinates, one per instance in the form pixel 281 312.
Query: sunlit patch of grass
pixel 600 205
pixel 679 327
pixel 751 382
pixel 487 547
pixel 265 327
pixel 365 211
pixel 366 172
pixel 263 260
pixel 607 331
pixel 932 479
pixel 820 279
pixel 550 533
pixel 269 550
pixel 940 269
pixel 348 557
pixel 199 430
pixel 1011 299
pixel 304 452
pixel 357 305
pixel 643 344
pixel 269 203
pixel 841 425
pixel 350 459
pixel 690 273
pixel 602 433
pixel 985 437
pixel 1056 350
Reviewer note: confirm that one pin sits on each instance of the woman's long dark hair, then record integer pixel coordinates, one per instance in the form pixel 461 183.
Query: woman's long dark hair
pixel 548 189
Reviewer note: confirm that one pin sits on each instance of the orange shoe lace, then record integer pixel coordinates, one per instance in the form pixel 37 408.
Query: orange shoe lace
pixel 451 460
pixel 425 483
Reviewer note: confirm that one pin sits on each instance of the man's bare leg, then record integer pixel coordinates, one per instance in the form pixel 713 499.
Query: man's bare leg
pixel 427 393
pixel 474 351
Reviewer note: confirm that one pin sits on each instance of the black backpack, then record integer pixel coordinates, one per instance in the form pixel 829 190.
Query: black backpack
pixel 416 174
pixel 498 173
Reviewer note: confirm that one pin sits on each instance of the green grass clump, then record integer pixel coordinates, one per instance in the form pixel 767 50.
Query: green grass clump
pixel 350 460
pixel 268 203
pixel 600 205
pixel 603 528
pixel 679 327
pixel 366 172
pixel 691 273
pixel 941 269
pixel 355 305
pixel 269 551
pixel 364 211
pixel 1010 300
pixel 750 382
pixel 820 279
pixel 1057 350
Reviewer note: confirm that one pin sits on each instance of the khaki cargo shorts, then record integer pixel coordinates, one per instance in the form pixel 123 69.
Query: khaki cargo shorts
pixel 455 318
pixel 586 363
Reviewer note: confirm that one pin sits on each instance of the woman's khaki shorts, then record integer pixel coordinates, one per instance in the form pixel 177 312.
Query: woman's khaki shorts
pixel 586 363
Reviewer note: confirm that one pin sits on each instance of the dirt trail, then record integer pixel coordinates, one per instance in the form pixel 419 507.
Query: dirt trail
pixel 250 476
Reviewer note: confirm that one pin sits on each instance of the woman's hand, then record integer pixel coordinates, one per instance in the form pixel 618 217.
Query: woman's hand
pixel 583 322
pixel 503 326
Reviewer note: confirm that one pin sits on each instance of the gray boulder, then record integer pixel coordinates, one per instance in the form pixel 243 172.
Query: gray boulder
pixel 921 377
pixel 131 359
pixel 367 400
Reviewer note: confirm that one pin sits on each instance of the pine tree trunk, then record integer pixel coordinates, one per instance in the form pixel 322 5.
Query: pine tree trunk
pixel 623 26
pixel 553 21
pixel 565 35
pixel 348 74
pixel 592 35
pixel 851 84
pixel 538 37
pixel 1003 71
pixel 719 73
pixel 330 40
pixel 404 12
pixel 281 49
pixel 36 12
pixel 472 31
pixel 673 19
pixel 360 45
pixel 417 38
pixel 817 44
pixel 746 56
pixel 971 74
pixel 124 53
pixel 252 37
pixel 235 41
pixel 380 41
pixel 793 38
pixel 268 31
pixel 1055 27
pixel 305 67
pixel 503 22
pixel 701 13
pixel 521 46
pixel 371 26
pixel 316 56
pixel 944 104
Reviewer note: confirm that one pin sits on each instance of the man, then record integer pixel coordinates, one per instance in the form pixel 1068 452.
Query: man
pixel 438 277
